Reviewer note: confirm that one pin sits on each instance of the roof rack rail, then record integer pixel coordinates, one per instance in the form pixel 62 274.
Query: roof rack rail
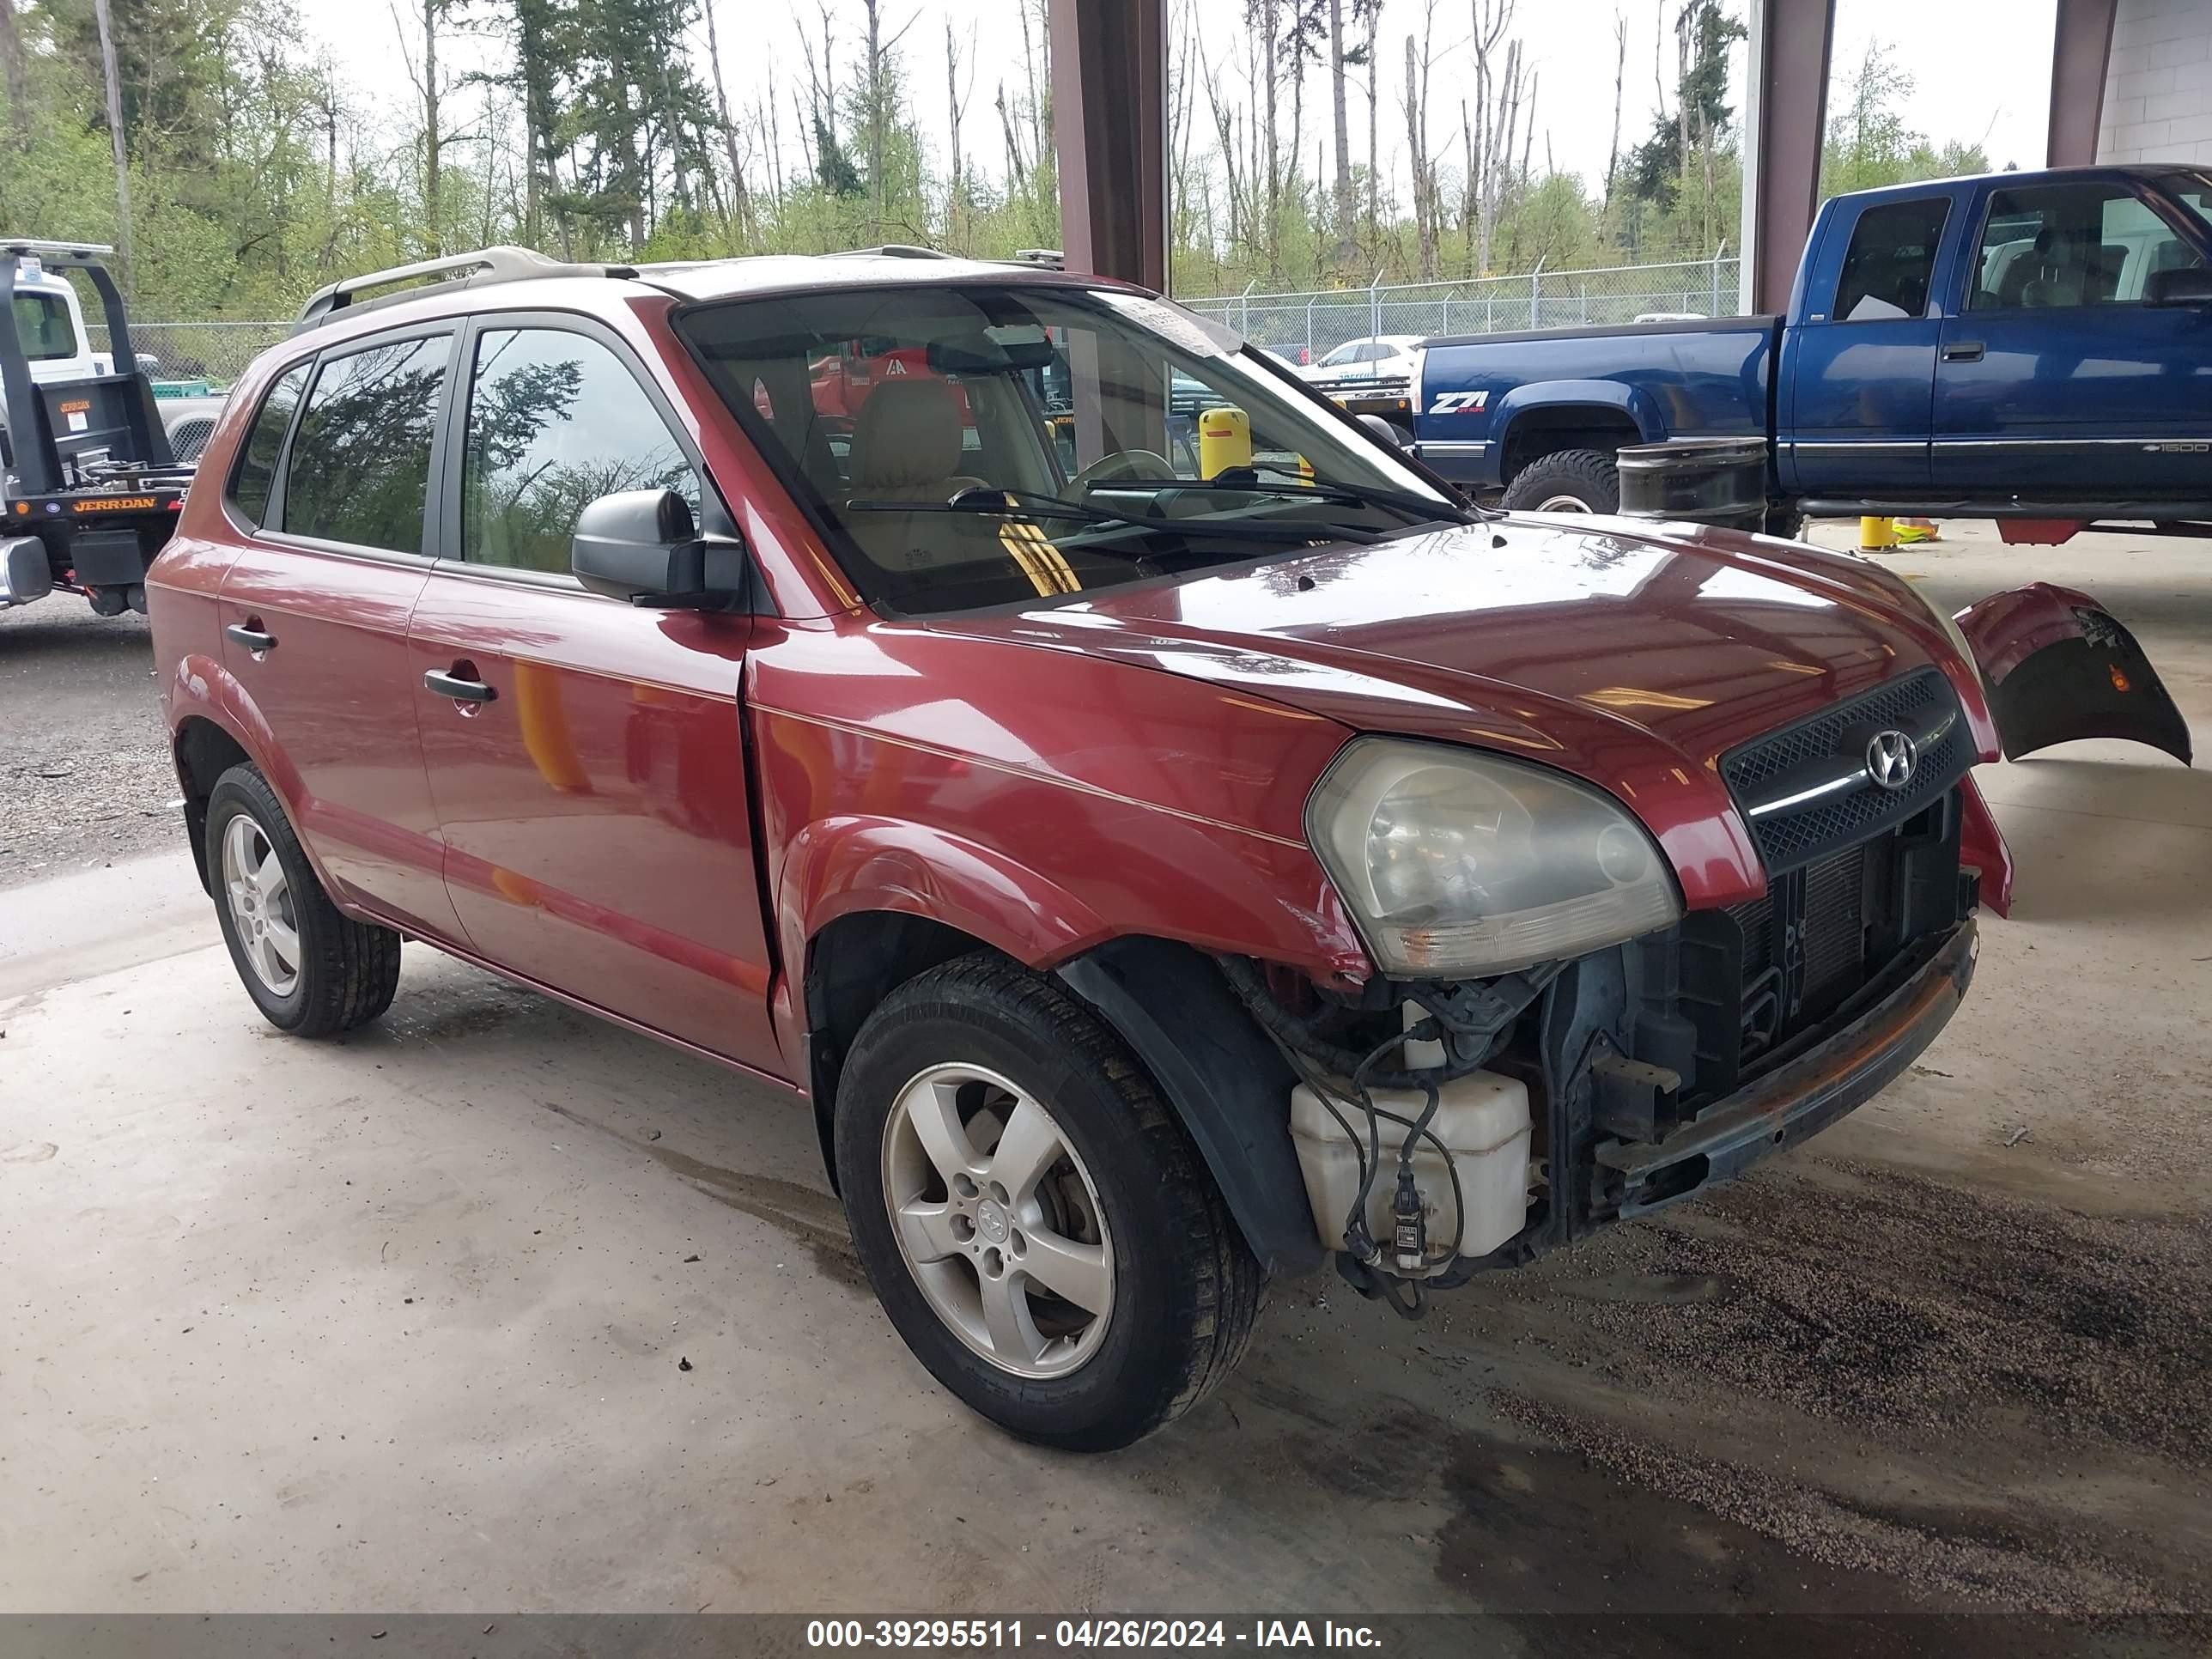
pixel 503 264
pixel 1046 258
pixel 906 250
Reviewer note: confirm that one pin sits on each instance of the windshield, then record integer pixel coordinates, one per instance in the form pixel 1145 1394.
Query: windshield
pixel 2194 191
pixel 982 444
pixel 42 324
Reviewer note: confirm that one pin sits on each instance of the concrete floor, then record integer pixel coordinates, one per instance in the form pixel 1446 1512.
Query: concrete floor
pixel 396 1322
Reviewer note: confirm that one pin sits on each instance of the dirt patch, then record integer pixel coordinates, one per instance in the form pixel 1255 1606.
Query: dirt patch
pixel 1890 1302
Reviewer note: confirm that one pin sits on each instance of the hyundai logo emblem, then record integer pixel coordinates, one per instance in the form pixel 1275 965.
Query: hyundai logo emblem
pixel 1891 757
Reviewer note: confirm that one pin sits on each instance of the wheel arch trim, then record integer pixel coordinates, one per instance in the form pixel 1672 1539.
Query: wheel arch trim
pixel 1224 1080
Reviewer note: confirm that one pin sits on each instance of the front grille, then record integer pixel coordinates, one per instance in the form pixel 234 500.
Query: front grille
pixel 1756 975
pixel 1830 745
pixel 1804 946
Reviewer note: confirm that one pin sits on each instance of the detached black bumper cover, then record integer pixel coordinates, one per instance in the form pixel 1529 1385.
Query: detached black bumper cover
pixel 1804 1095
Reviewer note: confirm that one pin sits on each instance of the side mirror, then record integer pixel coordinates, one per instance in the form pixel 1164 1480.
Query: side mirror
pixel 1383 432
pixel 641 545
pixel 2189 285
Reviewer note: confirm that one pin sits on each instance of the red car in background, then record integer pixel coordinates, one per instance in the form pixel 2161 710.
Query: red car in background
pixel 1157 883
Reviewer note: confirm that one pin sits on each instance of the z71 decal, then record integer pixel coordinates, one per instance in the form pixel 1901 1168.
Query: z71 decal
pixel 1460 403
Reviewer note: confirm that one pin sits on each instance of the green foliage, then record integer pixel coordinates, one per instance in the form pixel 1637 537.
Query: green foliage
pixel 255 178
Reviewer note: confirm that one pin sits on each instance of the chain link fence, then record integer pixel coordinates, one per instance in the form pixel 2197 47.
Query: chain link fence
pixel 1316 323
pixel 215 353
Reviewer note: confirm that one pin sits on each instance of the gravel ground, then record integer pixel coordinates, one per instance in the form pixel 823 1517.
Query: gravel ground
pixel 84 773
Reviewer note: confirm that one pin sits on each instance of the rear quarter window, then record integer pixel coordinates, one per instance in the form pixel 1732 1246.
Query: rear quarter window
pixel 256 475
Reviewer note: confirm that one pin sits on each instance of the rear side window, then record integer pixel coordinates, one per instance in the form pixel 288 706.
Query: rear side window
pixel 359 470
pixel 555 421
pixel 265 445
pixel 2057 246
pixel 1891 262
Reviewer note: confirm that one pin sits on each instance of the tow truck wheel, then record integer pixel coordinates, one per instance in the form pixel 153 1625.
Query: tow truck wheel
pixel 1570 481
pixel 310 970
pixel 1033 1217
pixel 135 597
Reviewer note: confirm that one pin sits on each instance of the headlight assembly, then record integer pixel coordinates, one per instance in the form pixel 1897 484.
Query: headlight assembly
pixel 1457 863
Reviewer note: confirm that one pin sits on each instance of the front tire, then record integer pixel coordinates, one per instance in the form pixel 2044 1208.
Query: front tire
pixel 310 970
pixel 1570 481
pixel 1035 1221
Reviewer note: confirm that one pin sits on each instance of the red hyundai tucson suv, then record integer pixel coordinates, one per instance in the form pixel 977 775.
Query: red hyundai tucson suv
pixel 1164 864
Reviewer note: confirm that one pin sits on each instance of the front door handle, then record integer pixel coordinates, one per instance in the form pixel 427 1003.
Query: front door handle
pixel 251 637
pixel 460 689
pixel 1963 351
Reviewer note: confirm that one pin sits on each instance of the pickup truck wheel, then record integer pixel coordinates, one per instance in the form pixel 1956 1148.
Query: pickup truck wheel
pixel 1033 1217
pixel 310 970
pixel 1570 481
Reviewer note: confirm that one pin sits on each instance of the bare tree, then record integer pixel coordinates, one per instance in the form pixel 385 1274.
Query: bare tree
pixel 740 209
pixel 956 105
pixel 1620 85
pixel 1374 10
pixel 1345 249
pixel 115 137
pixel 431 89
pixel 1492 21
pixel 1017 173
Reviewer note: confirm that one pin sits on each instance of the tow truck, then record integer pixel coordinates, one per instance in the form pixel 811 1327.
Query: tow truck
pixel 92 486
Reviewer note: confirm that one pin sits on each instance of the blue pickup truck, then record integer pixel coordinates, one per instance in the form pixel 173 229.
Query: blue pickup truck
pixel 2022 346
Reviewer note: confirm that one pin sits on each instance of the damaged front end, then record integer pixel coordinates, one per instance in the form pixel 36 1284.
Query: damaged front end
pixel 2057 666
pixel 1465 1124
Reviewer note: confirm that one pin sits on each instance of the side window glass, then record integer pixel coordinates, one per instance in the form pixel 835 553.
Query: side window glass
pixel 1891 262
pixel 2065 246
pixel 258 456
pixel 555 421
pixel 360 471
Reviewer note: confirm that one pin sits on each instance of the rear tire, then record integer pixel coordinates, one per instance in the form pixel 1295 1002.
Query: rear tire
pixel 1181 1290
pixel 1568 481
pixel 310 970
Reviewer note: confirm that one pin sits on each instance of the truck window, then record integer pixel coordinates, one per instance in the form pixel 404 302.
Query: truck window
pixel 1891 262
pixel 42 324
pixel 2061 246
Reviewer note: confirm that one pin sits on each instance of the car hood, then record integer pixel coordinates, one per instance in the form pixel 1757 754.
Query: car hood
pixel 1629 655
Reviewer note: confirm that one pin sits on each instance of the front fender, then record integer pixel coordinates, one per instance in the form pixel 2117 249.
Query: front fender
pixel 2059 666
pixel 838 866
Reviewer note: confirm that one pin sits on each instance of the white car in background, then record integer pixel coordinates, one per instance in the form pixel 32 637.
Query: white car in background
pixel 1376 357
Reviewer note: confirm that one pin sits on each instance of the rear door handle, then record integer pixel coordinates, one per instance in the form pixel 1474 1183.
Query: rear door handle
pixel 461 690
pixel 1963 351
pixel 251 638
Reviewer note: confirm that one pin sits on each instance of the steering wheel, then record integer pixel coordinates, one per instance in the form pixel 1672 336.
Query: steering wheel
pixel 1124 464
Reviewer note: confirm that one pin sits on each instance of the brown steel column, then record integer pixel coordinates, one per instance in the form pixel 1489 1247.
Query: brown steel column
pixel 1788 117
pixel 2081 50
pixel 1110 70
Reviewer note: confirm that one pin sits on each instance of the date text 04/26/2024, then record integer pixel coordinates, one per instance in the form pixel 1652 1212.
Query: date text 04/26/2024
pixel 981 1633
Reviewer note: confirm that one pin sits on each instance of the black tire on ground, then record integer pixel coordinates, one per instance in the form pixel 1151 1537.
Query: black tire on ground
pixel 1786 522
pixel 347 969
pixel 1587 478
pixel 1186 1288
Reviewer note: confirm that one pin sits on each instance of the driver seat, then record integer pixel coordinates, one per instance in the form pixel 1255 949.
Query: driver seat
pixel 906 447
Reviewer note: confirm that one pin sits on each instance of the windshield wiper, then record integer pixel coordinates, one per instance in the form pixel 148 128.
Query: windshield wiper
pixel 1245 480
pixel 988 503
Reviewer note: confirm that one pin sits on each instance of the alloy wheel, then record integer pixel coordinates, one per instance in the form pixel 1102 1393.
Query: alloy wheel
pixel 998 1220
pixel 261 910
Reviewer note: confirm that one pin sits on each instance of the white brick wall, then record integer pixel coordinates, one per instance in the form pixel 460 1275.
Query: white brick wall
pixel 2158 89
